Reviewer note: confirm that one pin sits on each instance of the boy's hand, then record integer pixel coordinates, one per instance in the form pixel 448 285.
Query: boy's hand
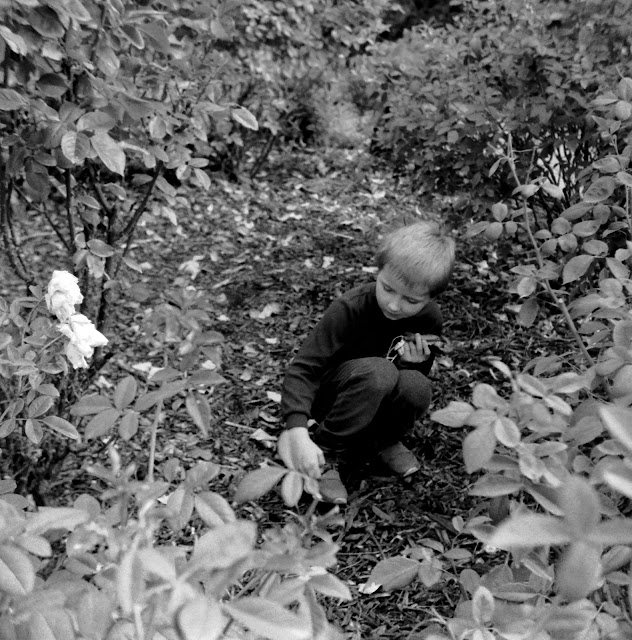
pixel 414 350
pixel 298 451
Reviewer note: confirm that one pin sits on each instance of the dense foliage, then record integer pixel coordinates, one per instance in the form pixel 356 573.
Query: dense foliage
pixel 111 111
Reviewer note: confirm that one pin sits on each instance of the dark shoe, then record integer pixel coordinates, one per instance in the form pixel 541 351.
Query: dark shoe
pixel 400 459
pixel 332 489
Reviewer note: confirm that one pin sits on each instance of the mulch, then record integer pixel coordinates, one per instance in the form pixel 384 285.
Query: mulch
pixel 266 258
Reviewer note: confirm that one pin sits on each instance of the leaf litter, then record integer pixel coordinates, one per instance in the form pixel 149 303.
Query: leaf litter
pixel 268 257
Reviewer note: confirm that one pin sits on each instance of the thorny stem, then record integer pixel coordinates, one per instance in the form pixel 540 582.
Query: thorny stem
pixel 559 303
pixel 71 223
pixel 140 207
pixel 52 225
pixel 152 443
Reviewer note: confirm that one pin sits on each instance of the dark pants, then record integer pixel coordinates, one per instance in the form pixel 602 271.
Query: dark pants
pixel 368 403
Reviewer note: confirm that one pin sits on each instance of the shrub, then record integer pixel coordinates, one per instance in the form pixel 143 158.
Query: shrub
pixel 453 94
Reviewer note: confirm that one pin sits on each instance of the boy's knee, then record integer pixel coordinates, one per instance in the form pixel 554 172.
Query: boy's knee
pixel 379 375
pixel 415 389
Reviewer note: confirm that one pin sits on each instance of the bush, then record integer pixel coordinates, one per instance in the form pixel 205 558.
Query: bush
pixel 452 95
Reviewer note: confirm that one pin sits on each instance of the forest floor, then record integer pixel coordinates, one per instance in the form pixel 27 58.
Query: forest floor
pixel 263 259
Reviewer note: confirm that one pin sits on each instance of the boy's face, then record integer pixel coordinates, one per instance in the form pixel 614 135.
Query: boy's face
pixel 397 300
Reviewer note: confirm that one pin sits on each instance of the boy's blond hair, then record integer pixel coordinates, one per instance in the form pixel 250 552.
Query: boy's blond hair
pixel 420 254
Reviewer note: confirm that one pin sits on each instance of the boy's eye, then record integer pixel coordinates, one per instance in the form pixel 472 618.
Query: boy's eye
pixel 386 288
pixel 411 301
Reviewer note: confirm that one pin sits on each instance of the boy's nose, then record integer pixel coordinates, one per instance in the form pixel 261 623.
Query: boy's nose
pixel 393 304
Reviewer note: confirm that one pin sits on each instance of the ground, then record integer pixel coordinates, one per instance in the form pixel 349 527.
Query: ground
pixel 266 258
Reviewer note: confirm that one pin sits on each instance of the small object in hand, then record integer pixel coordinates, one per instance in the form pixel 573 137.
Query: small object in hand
pixel 434 342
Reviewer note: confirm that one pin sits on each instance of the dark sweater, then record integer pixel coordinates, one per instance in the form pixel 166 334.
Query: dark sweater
pixel 352 327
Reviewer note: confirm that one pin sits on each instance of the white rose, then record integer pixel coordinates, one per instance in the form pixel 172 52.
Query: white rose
pixel 83 339
pixel 63 294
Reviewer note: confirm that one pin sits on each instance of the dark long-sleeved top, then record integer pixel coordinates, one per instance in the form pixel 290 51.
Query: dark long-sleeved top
pixel 353 326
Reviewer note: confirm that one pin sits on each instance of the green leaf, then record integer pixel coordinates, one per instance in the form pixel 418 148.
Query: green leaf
pixel 133 35
pixel 11 100
pixel 530 530
pixel 478 448
pixel 201 474
pixel 245 118
pixel 200 411
pixel 158 564
pixel 625 179
pixel 506 432
pixel 94 120
pixel 580 504
pixel 35 545
pixel 576 211
pixel 40 406
pixel 33 430
pixel 579 571
pixel 95 614
pixel 292 488
pixel 164 393
pixel 125 392
pixel 485 396
pixel 529 310
pixel 157 35
pixel 55 518
pixel 391 574
pixel 200 619
pixel 554 190
pixel 62 427
pixel 51 623
pixel 45 21
pixel 77 10
pixel 128 425
pixel 106 58
pixel 454 415
pixel 492 486
pixel 617 420
pixel 576 267
pixel 15 42
pixel 213 509
pixel 180 504
pixel 99 248
pixel 258 482
pixel 223 546
pixel 109 151
pixel 89 405
pixel 586 228
pixel 620 480
pixel 52 85
pixel 600 190
pixel 330 586
pixel 609 164
pixel 101 424
pixel 268 619
pixel 483 606
pixel 17 577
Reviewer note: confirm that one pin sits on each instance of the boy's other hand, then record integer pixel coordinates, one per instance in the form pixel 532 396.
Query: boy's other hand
pixel 298 451
pixel 414 350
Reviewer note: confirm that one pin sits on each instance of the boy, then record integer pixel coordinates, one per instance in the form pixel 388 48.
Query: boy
pixel 360 376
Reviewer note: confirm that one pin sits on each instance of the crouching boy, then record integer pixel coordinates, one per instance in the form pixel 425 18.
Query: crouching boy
pixel 359 379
